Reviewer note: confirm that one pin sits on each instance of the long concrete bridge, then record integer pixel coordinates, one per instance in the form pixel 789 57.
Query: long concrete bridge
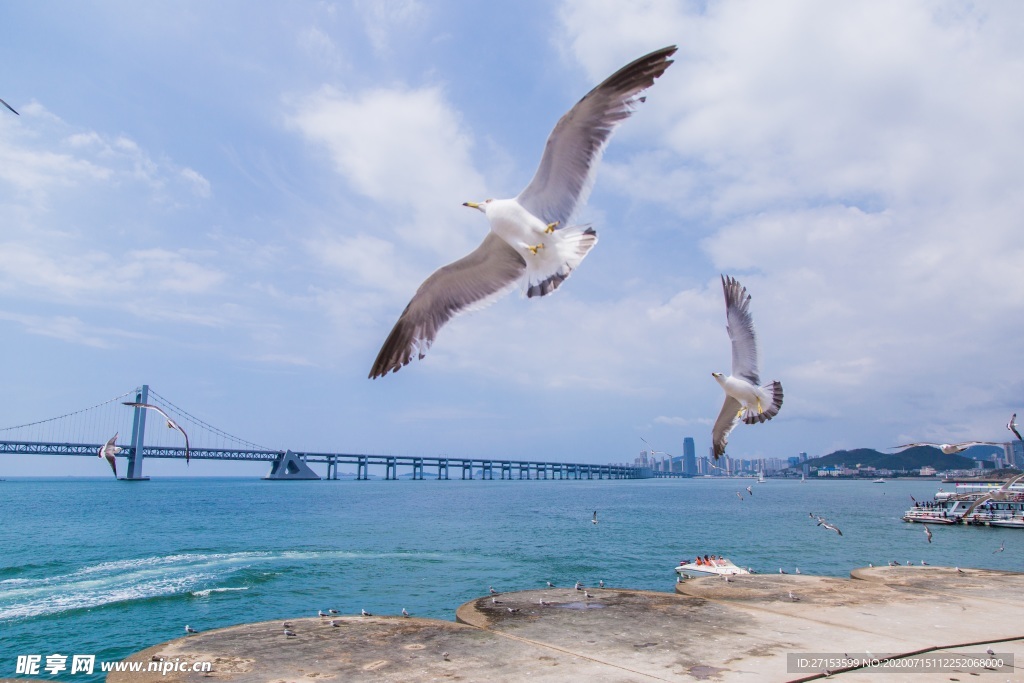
pixel 294 464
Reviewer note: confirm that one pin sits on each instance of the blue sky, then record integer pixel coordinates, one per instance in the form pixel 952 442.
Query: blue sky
pixel 233 204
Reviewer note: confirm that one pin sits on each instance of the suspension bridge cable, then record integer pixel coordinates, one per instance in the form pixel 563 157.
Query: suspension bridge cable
pixel 206 425
pixel 61 417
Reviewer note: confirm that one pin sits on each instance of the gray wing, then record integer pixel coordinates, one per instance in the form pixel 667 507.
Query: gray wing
pixel 741 331
pixel 574 148
pixel 473 281
pixel 727 419
pixel 9 107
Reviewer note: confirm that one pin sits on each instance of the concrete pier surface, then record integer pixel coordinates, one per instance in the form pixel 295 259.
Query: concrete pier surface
pixel 759 627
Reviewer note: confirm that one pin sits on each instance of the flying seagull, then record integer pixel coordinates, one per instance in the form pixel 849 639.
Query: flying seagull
pixel 750 491
pixel 1001 548
pixel 997 494
pixel 744 398
pixel 108 451
pixel 830 527
pixel 9 107
pixel 927 532
pixel 950 448
pixel 524 245
pixel 1012 426
pixel 594 520
pixel 171 424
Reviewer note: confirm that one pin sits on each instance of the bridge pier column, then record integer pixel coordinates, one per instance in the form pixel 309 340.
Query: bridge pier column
pixel 442 467
pixel 138 437
pixel 417 468
pixel 467 465
pixel 362 468
pixel 391 469
pixel 488 470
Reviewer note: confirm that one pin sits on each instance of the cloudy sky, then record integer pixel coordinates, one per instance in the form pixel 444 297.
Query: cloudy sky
pixel 233 205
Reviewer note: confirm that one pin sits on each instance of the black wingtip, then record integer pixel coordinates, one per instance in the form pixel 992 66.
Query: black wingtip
pixel 9 107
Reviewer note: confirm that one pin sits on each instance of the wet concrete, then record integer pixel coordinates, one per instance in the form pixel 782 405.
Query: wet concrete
pixel 747 629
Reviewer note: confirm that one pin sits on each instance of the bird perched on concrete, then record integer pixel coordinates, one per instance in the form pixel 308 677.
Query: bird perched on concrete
pixel 744 398
pixel 108 451
pixel 550 585
pixel 491 589
pixel 320 613
pixel 289 633
pixel 530 241
pixel 405 612
pixel 171 424
pixel 335 623
pixel 365 613
pixel 189 629
pixel 332 611
pixel 600 584
pixel 927 533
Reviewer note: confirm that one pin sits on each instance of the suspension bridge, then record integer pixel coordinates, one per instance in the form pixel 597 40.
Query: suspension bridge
pixel 83 432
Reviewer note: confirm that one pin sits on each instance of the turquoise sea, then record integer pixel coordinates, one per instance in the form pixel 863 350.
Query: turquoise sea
pixel 105 567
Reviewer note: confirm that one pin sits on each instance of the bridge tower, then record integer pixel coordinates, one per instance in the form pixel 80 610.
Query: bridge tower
pixel 138 437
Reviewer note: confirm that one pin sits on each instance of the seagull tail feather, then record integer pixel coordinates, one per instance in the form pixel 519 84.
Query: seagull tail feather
pixel 774 392
pixel 570 247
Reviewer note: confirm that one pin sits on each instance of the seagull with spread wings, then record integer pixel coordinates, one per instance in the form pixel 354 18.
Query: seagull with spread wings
pixel 9 107
pixel 949 448
pixel 530 241
pixel 171 424
pixel 744 398
pixel 109 450
pixel 1012 426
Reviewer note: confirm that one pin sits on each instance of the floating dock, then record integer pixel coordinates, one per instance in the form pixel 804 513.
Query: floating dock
pixel 883 624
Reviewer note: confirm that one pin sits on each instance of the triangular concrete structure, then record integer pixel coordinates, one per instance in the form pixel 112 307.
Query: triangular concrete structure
pixel 290 466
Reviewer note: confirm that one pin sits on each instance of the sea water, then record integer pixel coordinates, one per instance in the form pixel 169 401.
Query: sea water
pixel 105 568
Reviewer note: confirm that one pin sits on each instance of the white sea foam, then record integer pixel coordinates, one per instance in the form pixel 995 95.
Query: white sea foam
pixel 207 591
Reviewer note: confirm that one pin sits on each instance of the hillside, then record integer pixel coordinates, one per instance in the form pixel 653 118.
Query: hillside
pixel 909 459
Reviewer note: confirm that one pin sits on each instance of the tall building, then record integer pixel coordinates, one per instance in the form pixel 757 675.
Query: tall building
pixel 689 457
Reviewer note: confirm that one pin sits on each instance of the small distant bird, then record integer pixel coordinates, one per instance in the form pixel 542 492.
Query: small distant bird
pixel 287 624
pixel 949 448
pixel 405 612
pixel 333 611
pixel 830 527
pixel 594 520
pixel 512 610
pixel 523 245
pixel 444 656
pixel 797 570
pixel 586 594
pixel 750 491
pixel 793 598
pixel 1001 548
pixel 927 532
pixel 365 613
pixel 1012 426
pixel 600 584
pixel 320 613
pixel 959 571
pixel 495 601
pixel 288 633
pixel 550 585
pixel 543 603
pixel 990 652
pixel 335 623
pixel 781 570
pixel 9 107
pixel 740 496
pixel 189 629
pixel 726 577
pixel 579 586
pixel 108 451
pixel 870 564
pixel 893 563
pixel 923 563
pixel 171 424
pixel 744 398
pixel 491 589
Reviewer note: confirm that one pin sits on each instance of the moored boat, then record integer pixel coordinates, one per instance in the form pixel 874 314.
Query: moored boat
pixel 720 566
pixel 975 504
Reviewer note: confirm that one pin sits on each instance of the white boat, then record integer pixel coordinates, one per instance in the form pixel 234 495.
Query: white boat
pixel 760 478
pixel 722 566
pixel 973 503
pixel 878 481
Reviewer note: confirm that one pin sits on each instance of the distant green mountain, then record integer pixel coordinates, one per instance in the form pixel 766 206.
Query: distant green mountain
pixel 909 459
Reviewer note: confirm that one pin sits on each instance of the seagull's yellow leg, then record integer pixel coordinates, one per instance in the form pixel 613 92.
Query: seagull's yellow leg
pixel 739 413
pixel 759 410
pixel 551 227
pixel 534 248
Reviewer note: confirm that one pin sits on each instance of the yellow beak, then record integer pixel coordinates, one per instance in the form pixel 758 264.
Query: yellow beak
pixel 472 205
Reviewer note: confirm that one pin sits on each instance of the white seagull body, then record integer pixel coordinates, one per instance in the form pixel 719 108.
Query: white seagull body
pixel 524 245
pixel 594 520
pixel 950 448
pixel 1012 426
pixel 744 398
pixel 927 532
pixel 171 424
pixel 108 451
